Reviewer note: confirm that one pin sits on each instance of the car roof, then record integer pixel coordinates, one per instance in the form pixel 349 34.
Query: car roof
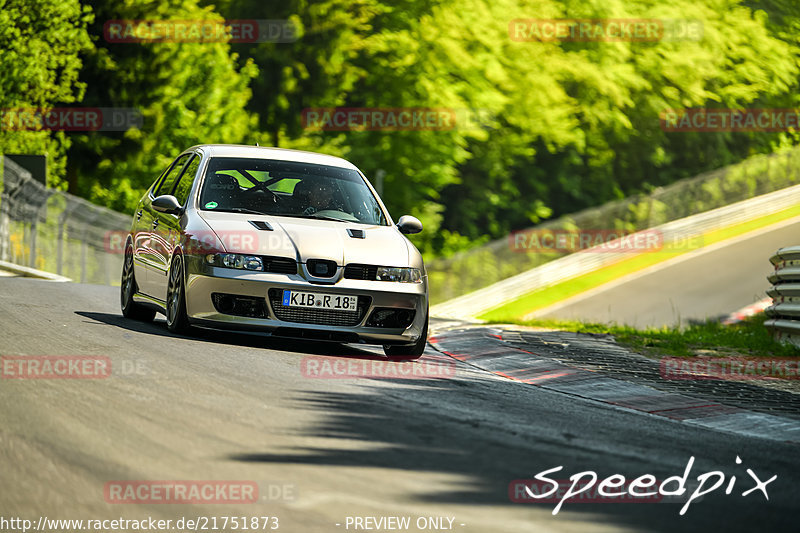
pixel 280 154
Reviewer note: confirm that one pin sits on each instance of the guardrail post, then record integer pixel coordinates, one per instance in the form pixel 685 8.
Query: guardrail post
pixel 34 231
pixel 60 245
pixel 84 251
pixel 4 229
pixel 106 267
pixel 784 313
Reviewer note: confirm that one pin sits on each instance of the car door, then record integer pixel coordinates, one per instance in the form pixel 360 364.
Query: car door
pixel 168 231
pixel 142 224
pixel 151 256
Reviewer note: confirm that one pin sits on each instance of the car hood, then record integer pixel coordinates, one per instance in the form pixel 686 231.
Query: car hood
pixel 304 239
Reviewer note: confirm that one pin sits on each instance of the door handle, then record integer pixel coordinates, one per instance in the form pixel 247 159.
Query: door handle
pixel 155 223
pixel 139 214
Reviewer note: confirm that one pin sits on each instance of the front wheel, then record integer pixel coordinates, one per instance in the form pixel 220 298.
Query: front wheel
pixel 128 288
pixel 408 351
pixel 177 321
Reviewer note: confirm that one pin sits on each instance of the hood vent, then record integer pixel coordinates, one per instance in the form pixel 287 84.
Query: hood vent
pixel 356 233
pixel 260 224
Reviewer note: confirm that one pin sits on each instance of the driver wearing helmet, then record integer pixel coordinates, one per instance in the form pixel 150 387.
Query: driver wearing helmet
pixel 318 197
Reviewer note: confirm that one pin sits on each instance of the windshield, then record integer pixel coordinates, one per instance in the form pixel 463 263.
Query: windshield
pixel 288 188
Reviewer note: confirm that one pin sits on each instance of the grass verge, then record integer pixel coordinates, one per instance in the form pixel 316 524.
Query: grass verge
pixel 747 339
pixel 542 298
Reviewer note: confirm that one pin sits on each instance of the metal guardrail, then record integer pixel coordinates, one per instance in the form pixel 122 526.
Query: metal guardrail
pixel 50 230
pixel 578 264
pixel 480 267
pixel 784 313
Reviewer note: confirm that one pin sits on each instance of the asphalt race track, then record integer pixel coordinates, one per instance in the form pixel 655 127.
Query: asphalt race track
pixel 702 285
pixel 234 407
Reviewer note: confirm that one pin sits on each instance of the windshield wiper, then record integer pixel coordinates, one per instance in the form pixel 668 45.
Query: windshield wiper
pixel 239 210
pixel 322 217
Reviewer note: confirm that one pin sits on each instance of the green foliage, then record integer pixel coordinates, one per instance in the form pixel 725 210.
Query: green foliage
pixel 563 126
pixel 40 46
pixel 746 339
pixel 188 93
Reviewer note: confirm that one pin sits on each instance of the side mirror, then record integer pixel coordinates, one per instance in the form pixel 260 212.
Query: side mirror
pixel 166 203
pixel 409 225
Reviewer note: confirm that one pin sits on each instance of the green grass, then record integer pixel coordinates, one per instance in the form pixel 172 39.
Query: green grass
pixel 541 298
pixel 746 339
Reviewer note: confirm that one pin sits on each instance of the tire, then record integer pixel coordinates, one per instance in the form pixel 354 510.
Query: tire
pixel 128 288
pixel 177 320
pixel 408 352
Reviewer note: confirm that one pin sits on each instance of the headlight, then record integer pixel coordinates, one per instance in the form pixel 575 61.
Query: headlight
pixel 403 275
pixel 244 262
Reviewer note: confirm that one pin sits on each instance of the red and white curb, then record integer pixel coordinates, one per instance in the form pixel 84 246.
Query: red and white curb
pixel 747 311
pixel 485 349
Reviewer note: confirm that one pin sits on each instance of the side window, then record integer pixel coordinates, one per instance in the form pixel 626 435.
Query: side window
pixel 168 182
pixel 187 178
pixel 158 179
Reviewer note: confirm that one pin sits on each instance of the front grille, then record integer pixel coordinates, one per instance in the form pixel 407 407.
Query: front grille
pixel 356 271
pixel 323 317
pixel 321 268
pixel 280 265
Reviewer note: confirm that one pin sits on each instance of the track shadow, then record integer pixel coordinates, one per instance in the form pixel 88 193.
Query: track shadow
pixel 400 435
pixel 235 338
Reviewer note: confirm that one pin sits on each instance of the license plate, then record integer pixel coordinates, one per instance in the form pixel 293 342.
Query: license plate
pixel 318 300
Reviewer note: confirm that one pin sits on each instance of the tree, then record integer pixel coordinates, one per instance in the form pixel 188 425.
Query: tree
pixel 188 93
pixel 40 46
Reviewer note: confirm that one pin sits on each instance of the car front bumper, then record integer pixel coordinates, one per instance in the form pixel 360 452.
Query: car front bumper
pixel 203 281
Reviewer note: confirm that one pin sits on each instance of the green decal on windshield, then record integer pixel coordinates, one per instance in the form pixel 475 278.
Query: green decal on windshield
pixel 211 205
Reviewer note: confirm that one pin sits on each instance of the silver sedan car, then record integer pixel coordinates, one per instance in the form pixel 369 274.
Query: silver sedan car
pixel 293 243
